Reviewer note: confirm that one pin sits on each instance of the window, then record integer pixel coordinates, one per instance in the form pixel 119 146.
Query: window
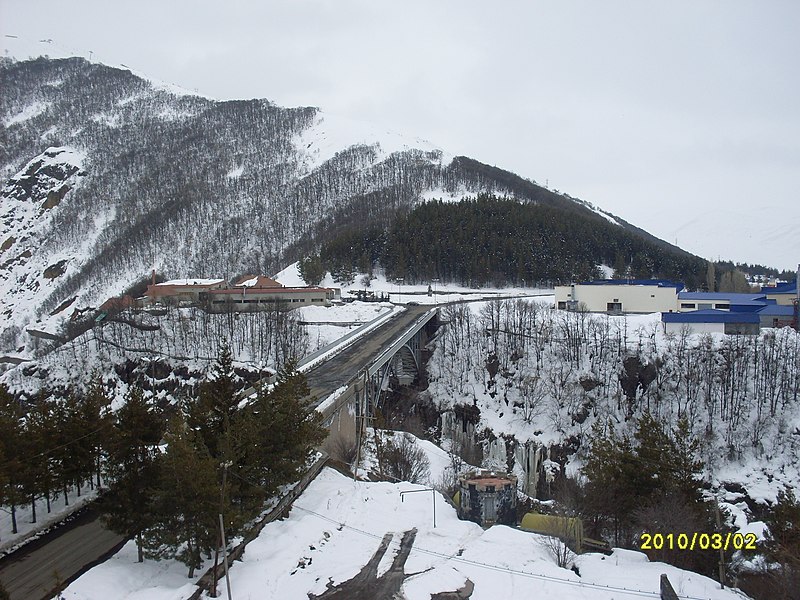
pixel 562 306
pixel 688 305
pixel 614 307
pixel 722 306
pixel 704 306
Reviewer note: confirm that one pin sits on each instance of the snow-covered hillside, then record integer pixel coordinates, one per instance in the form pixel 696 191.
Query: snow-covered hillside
pixel 339 528
pixel 543 378
pixel 188 186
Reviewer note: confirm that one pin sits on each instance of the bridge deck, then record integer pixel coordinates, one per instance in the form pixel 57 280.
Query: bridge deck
pixel 346 366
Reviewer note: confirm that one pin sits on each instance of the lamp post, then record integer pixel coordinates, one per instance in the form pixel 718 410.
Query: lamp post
pixel 399 287
pixel 435 280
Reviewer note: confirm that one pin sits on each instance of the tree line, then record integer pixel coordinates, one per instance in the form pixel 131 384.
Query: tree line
pixel 169 472
pixel 499 241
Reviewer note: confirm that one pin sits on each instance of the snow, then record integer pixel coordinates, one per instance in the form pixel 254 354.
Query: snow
pixel 330 134
pixel 192 282
pixel 404 293
pixel 123 578
pixel 335 527
pixel 598 211
pixel 235 173
pixel 447 196
pixel 29 112
pixel 606 272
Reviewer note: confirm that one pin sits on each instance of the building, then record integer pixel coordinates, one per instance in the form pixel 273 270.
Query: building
pixel 784 294
pixel 712 321
pixel 181 291
pixel 250 293
pixel 737 302
pixel 617 296
pixel 487 497
pixel 256 292
pixel 777 315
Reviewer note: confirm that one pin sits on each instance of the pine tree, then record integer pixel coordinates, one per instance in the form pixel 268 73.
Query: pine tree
pixel 278 432
pixel 214 409
pixel 132 468
pixel 11 442
pixel 95 413
pixel 185 499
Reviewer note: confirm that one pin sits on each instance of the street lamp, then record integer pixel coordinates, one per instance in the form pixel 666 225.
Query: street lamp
pixel 435 280
pixel 399 287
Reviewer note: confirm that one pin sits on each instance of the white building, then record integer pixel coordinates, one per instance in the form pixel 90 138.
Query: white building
pixel 616 296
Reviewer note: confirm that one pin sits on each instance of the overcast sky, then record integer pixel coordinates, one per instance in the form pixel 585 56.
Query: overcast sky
pixel 682 117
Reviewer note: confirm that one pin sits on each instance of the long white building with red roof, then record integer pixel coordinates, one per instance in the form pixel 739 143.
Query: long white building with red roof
pixel 249 293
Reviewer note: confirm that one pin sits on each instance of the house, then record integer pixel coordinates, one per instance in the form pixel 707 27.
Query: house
pixel 617 296
pixel 712 321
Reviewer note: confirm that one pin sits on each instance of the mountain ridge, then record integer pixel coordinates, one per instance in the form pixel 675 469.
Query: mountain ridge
pixel 189 186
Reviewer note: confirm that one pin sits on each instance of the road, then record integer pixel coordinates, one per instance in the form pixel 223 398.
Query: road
pixel 339 370
pixel 36 570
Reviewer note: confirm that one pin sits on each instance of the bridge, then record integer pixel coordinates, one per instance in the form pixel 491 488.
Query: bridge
pixel 348 387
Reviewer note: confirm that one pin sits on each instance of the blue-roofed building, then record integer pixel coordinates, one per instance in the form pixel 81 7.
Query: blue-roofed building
pixel 776 315
pixel 712 321
pixel 784 293
pixel 689 301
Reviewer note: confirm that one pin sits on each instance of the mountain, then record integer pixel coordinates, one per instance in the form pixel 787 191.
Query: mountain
pixel 109 177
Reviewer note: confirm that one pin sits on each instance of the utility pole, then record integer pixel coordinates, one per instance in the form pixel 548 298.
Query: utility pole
pixel 224 466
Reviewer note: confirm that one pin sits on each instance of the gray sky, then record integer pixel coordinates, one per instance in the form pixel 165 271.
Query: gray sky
pixel 682 117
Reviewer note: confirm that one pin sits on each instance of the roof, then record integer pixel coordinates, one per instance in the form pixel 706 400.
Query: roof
pixel 257 281
pixel 781 288
pixel 710 316
pixel 191 282
pixel 654 282
pixel 732 297
pixel 254 291
pixel 777 310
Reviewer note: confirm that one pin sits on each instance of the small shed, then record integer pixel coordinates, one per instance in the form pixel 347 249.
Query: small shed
pixel 487 497
pixel 567 529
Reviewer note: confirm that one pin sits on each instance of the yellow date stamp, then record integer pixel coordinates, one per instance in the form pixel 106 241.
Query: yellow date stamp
pixel 698 541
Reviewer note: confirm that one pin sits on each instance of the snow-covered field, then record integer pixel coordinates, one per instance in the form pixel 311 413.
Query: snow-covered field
pixel 337 525
pixel 401 293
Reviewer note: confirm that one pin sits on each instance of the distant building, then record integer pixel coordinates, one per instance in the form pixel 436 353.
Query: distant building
pixel 618 296
pixel 182 291
pixel 487 497
pixel 783 293
pixel 250 293
pixel 737 302
pixel 712 321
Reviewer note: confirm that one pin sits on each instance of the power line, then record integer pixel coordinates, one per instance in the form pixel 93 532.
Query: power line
pixel 474 563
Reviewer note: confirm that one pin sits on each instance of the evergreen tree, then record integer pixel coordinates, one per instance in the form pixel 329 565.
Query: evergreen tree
pixel 185 499
pixel 212 412
pixel 95 413
pixel 132 468
pixel 311 270
pixel 278 432
pixel 782 545
pixel 11 442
